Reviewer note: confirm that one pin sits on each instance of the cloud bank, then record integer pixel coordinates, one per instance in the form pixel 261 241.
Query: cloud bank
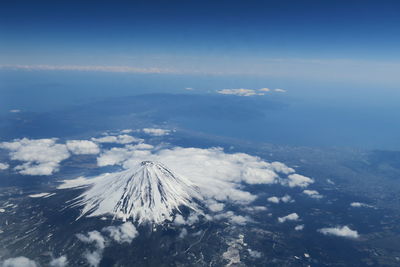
pixel 95 68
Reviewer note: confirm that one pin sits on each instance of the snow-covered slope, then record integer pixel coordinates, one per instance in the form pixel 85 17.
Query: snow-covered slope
pixel 149 193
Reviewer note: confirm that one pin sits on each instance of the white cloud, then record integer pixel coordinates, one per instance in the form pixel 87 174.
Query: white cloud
pixel 80 147
pixel 313 194
pixel 284 199
pixel 239 92
pixel 4 166
pixel 233 218
pixel 93 237
pixel 254 253
pixel 189 88
pixel 359 205
pixel 281 167
pixel 183 233
pixel 290 217
pixel 299 227
pixel 248 92
pixel 275 200
pixel 41 156
pixel 342 231
pixel 14 111
pixel 156 131
pixel 216 207
pixel 19 262
pixel 116 156
pixel 255 208
pixel 179 220
pixel 329 181
pixel 118 139
pixel 298 180
pixel 93 258
pixel 59 262
pixel 126 232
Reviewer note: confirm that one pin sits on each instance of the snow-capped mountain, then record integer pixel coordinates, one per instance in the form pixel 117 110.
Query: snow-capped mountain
pixel 149 193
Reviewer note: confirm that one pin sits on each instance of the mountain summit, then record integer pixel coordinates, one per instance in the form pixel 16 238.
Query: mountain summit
pixel 149 193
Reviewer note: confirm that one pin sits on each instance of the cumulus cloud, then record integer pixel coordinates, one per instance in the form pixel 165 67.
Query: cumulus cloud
pixel 156 131
pixel 118 139
pixel 254 253
pixel 14 111
pixel 297 180
pixel 93 237
pixel 342 231
pixel 80 147
pixel 93 258
pixel 290 217
pixel 183 233
pixel 359 205
pixel 216 207
pixel 126 232
pixel 59 262
pixel 275 200
pixel 116 156
pixel 41 156
pixel 285 199
pixel 19 262
pixel 313 194
pixel 279 90
pixel 123 233
pixel 299 227
pixel 4 166
pixel 233 218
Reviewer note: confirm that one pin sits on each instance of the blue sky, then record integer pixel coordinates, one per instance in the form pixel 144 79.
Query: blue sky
pixel 353 41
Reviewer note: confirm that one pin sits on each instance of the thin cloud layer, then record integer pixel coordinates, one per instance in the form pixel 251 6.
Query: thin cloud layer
pixel 96 68
pixel 342 231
